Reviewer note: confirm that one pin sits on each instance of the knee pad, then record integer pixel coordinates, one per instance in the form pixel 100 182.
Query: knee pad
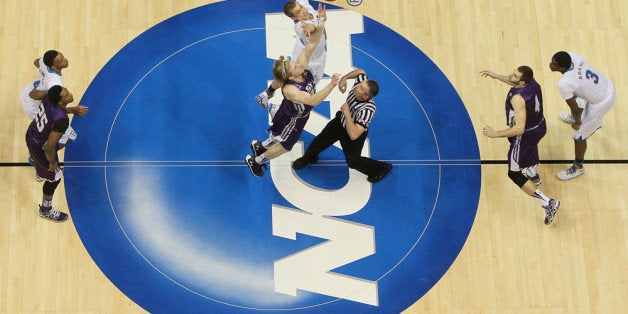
pixel 50 187
pixel 517 177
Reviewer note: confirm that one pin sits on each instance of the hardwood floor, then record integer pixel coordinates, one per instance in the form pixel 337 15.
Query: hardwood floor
pixel 511 263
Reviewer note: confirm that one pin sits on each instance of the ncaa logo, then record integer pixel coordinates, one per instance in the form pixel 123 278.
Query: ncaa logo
pixel 169 212
pixel 354 3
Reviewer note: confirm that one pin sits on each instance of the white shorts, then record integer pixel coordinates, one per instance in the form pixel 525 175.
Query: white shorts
pixel 69 135
pixel 30 106
pixel 593 114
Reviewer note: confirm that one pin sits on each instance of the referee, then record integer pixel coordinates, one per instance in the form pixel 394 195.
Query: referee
pixel 350 127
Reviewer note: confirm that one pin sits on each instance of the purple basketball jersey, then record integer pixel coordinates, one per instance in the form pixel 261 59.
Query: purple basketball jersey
pixel 37 135
pixel 533 97
pixel 290 119
pixel 524 150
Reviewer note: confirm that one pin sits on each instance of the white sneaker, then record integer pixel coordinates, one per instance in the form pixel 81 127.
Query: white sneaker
pixel 38 178
pixel 550 210
pixel 570 173
pixel 262 99
pixel 567 117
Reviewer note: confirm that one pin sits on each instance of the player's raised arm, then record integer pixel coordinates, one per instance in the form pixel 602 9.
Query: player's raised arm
pixel 315 36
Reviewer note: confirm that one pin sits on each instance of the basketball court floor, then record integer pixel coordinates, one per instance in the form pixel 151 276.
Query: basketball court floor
pixel 166 217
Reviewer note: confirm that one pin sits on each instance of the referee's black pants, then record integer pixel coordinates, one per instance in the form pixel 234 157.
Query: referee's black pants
pixel 334 131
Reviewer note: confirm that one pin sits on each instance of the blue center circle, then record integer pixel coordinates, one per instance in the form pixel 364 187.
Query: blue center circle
pixel 164 204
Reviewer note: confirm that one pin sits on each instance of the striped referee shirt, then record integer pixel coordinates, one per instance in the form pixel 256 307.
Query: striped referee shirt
pixel 361 112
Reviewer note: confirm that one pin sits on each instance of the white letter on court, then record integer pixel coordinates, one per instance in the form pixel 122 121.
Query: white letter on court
pixel 310 269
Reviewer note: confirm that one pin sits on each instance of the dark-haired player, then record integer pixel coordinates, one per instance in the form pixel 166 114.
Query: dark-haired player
pixel 49 73
pixel 590 95
pixel 526 127
pixel 42 139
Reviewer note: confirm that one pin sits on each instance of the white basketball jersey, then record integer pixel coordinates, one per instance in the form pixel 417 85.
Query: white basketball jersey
pixel 302 40
pixel 584 81
pixel 51 78
pixel 40 75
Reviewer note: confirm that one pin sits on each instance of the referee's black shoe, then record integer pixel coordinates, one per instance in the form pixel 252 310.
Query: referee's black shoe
pixel 302 162
pixel 381 174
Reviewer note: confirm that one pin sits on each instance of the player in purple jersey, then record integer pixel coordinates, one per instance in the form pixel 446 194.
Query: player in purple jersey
pixel 300 97
pixel 42 139
pixel 526 127
pixel 350 127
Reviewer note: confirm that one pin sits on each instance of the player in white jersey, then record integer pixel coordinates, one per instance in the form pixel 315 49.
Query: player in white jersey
pixel 590 95
pixel 302 13
pixel 48 75
pixel 49 68
pixel 30 106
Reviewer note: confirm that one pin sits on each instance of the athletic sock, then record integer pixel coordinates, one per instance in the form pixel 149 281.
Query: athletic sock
pixel 539 196
pixel 260 159
pixel 46 203
pixel 267 143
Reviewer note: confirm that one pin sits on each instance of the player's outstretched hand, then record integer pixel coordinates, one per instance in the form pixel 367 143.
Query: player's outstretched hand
pixel 322 13
pixel 488 131
pixel 79 110
pixel 306 29
pixel 486 73
pixel 335 79
pixel 342 85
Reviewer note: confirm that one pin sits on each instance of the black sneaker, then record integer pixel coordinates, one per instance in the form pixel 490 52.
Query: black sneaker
pixel 52 214
pixel 301 163
pixel 256 169
pixel 257 148
pixel 550 210
pixel 381 174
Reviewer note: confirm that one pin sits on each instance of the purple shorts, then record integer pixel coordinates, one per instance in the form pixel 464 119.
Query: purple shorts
pixel 287 129
pixel 524 151
pixel 41 162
